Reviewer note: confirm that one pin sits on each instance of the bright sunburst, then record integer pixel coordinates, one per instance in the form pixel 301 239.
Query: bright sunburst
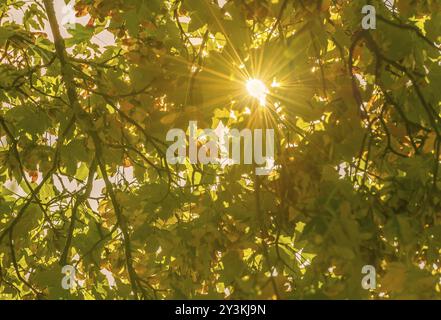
pixel 257 89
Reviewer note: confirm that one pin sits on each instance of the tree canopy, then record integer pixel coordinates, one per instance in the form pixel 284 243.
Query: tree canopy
pixel 85 180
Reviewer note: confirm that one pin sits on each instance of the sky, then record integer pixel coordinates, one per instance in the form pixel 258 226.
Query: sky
pixel 65 15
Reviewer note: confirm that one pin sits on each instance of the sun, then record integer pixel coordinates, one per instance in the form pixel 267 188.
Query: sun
pixel 257 89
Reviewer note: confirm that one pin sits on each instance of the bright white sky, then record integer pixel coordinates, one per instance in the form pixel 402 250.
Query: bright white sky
pixel 62 11
pixel 105 38
pixel 66 15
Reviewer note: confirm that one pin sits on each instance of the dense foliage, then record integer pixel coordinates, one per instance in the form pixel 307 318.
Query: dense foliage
pixel 85 181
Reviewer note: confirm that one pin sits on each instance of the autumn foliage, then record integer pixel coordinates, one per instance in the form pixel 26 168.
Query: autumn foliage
pixel 85 181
